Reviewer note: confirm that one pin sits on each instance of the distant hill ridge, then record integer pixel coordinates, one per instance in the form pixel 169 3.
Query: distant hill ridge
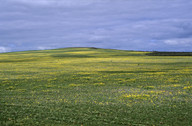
pixel 103 51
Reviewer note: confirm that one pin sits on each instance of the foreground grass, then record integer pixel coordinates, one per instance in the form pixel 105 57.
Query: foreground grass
pixel 87 86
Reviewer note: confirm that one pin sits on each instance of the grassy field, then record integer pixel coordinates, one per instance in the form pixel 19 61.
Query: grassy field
pixel 95 87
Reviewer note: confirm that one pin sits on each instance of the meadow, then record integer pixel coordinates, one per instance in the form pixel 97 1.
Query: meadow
pixel 95 87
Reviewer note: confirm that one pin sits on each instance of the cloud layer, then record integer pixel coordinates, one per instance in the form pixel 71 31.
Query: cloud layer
pixel 160 25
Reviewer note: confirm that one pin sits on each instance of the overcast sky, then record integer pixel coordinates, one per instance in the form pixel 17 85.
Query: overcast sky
pixel 152 25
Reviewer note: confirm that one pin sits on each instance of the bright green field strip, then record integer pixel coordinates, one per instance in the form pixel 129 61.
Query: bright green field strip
pixel 86 86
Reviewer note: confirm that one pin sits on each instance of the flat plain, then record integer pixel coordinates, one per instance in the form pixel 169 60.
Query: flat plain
pixel 95 87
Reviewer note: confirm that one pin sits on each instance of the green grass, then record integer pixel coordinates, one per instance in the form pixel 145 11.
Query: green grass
pixel 95 87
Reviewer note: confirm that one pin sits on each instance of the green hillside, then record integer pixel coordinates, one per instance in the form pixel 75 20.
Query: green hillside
pixel 95 87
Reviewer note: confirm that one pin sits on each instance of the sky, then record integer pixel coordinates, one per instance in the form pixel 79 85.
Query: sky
pixel 144 25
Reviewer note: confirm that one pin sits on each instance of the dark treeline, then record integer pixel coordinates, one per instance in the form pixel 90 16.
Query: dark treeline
pixel 155 53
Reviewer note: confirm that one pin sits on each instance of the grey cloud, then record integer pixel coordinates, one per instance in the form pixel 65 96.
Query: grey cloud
pixel 121 24
pixel 179 42
pixel 59 2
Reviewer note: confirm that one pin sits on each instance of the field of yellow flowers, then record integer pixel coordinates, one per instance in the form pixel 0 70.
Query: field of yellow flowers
pixel 95 87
